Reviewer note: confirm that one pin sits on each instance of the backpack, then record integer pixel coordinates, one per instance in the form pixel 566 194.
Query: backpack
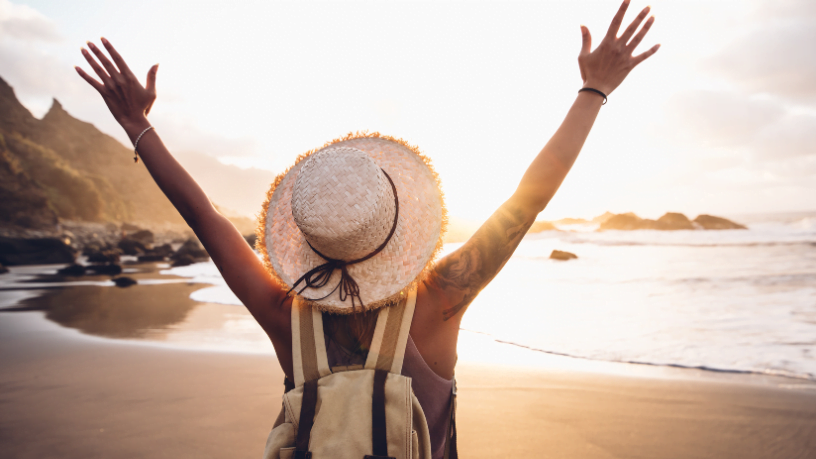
pixel 354 412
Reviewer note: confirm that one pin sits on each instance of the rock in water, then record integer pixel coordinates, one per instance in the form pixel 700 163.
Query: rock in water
pixel 103 256
pixel 72 270
pixel 711 222
pixel 157 254
pixel 3 269
pixel 674 221
pixel 191 248
pixel 164 250
pixel 131 247
pixel 559 255
pixel 108 270
pixel 45 251
pixel 124 282
pixel 144 236
pixel 182 260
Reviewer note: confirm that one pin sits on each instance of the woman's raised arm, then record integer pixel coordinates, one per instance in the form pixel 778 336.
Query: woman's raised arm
pixel 458 278
pixel 130 102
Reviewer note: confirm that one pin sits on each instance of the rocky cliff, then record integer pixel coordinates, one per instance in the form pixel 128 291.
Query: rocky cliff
pixel 62 168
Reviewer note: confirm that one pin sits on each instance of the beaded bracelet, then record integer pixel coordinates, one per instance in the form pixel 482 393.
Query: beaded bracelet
pixel 136 144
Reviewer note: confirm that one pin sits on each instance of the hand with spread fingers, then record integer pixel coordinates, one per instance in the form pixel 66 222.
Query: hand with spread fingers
pixel 127 99
pixel 605 68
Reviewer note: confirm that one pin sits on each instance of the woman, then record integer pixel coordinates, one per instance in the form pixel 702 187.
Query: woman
pixel 451 284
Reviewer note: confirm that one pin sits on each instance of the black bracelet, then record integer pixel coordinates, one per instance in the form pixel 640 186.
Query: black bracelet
pixel 596 92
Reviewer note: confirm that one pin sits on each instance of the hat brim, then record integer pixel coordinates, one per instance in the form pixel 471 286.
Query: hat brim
pixel 404 261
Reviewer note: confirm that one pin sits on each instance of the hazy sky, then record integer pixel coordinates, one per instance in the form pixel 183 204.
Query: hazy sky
pixel 721 120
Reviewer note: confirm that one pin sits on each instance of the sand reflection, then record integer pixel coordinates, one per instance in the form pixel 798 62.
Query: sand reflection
pixel 160 313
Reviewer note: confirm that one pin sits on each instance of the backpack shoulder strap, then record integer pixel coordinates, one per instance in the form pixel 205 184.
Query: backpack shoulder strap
pixel 387 349
pixel 308 343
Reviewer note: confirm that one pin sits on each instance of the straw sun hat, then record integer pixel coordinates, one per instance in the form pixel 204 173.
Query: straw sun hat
pixel 353 224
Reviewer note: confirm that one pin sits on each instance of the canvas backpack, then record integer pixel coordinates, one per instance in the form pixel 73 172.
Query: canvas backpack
pixel 357 412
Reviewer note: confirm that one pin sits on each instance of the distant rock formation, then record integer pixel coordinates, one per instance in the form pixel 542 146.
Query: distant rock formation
pixel 570 221
pixel 626 222
pixel 711 222
pixel 674 221
pixel 560 255
pixel 670 221
pixel 604 217
pixel 540 226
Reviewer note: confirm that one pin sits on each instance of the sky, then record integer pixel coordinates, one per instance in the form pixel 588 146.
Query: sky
pixel 722 120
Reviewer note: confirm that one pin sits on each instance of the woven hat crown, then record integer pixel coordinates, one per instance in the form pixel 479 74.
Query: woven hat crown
pixel 343 203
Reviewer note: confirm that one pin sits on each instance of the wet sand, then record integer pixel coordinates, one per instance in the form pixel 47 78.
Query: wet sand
pixel 66 394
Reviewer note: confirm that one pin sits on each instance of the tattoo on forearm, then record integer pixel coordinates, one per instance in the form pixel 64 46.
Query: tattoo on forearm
pixel 464 273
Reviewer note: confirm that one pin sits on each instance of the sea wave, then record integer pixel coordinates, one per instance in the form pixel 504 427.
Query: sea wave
pixel 722 301
pixel 765 372
pixel 807 243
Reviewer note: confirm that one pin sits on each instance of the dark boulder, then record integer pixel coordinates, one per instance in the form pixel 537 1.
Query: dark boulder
pixel 150 258
pixel 192 248
pixel 183 260
pixel 72 270
pixel 124 281
pixel 105 270
pixel 19 251
pixel 103 256
pixel 130 246
pixel 3 269
pixel 559 255
pixel 159 253
pixel 674 221
pixel 711 222
pixel 144 236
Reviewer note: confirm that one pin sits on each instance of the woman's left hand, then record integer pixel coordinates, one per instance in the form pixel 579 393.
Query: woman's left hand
pixel 127 99
pixel 605 68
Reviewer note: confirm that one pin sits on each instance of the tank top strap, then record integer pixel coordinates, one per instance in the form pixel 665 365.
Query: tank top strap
pixel 387 350
pixel 309 359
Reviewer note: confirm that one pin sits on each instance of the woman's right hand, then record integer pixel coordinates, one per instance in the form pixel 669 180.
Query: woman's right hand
pixel 127 99
pixel 605 68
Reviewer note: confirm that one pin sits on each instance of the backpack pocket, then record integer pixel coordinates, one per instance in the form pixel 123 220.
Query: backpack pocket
pixel 280 439
pixel 414 445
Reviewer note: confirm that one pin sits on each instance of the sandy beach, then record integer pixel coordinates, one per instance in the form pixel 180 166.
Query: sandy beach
pixel 68 394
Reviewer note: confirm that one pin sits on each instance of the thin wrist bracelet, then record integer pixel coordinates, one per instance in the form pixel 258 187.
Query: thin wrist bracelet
pixel 596 92
pixel 136 144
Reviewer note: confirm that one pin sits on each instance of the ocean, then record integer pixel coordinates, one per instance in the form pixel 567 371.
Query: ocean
pixel 737 301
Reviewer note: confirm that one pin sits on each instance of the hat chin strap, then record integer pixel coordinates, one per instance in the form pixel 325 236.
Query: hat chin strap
pixel 319 276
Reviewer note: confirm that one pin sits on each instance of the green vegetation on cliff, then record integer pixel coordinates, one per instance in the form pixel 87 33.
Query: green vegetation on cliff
pixel 63 168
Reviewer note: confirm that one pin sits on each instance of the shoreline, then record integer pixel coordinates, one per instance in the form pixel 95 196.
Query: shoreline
pixel 476 348
pixel 87 396
pixel 132 395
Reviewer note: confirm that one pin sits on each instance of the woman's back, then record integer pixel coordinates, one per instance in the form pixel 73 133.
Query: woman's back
pixel 347 341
